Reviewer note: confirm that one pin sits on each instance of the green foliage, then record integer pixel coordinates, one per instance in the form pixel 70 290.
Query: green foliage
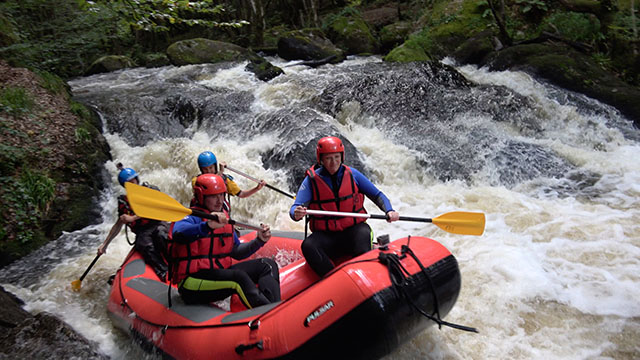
pixel 574 26
pixel 529 5
pixel 10 158
pixel 345 12
pixel 52 82
pixel 16 101
pixel 82 135
pixel 39 188
pixel 20 219
pixel 62 37
pixel 165 15
pixel 483 5
pixel 80 110
pixel 623 25
pixel 603 60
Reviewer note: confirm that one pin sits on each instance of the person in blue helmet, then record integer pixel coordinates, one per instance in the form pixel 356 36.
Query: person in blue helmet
pixel 151 235
pixel 208 164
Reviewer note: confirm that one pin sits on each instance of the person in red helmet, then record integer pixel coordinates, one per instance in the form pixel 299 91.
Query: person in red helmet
pixel 202 250
pixel 332 186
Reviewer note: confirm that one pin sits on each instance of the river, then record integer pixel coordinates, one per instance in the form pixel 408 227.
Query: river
pixel 556 273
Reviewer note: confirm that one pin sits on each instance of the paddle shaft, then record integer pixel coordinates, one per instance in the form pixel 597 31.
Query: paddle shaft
pixel 256 180
pixel 205 215
pixel 366 216
pixel 90 266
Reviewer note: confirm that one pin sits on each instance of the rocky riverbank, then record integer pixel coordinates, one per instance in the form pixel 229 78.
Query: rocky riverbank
pixel 39 336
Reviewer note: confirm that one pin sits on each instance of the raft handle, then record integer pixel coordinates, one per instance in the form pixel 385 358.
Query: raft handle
pixel 242 348
pixel 254 324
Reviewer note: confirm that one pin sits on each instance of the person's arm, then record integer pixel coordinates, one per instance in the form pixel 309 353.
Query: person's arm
pixel 244 250
pixel 192 228
pixel 232 188
pixel 115 230
pixel 374 194
pixel 304 196
pixel 247 193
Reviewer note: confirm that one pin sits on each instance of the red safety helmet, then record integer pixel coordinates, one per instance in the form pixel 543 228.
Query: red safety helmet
pixel 208 184
pixel 329 144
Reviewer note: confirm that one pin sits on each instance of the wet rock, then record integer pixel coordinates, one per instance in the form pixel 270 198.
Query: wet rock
pixel 263 69
pixel 43 336
pixel 351 33
pixel 110 63
pixel 308 44
pixel 201 51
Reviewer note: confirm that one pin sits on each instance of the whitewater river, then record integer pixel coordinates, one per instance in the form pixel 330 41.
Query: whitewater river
pixel 556 273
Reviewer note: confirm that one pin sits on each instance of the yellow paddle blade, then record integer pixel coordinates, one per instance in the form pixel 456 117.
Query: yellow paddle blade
pixel 76 285
pixel 461 222
pixel 154 204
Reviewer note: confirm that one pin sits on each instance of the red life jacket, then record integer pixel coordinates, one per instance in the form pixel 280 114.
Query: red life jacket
pixel 210 252
pixel 349 199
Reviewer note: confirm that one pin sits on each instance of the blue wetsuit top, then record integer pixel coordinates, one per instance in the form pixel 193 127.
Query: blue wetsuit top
pixel 365 186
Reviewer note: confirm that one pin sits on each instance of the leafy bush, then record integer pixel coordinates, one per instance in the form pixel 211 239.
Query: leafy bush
pixel 529 5
pixel 39 188
pixel 574 26
pixel 61 37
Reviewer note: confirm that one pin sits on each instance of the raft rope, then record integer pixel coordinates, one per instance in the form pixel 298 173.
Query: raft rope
pixel 399 275
pixel 126 234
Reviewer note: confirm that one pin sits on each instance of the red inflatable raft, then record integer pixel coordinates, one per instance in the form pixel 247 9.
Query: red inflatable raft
pixel 363 309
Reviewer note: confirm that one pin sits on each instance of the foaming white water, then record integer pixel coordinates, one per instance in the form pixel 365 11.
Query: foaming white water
pixel 555 274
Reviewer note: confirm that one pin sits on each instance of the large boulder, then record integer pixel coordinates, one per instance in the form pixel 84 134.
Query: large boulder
pixel 381 16
pixel 410 50
pixel 202 51
pixel 393 35
pixel 308 44
pixel 351 33
pixel 43 336
pixel 110 63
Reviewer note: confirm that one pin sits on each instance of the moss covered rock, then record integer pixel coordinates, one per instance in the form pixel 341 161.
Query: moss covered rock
pixel 450 24
pixel 201 51
pixel 263 69
pixel 394 34
pixel 110 63
pixel 351 33
pixel 152 60
pixel 407 52
pixel 308 44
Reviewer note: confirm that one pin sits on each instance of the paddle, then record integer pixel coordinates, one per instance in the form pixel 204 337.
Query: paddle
pixel 77 284
pixel 153 204
pixel 256 180
pixel 456 222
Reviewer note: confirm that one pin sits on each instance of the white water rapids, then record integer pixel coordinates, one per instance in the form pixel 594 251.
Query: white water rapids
pixel 555 275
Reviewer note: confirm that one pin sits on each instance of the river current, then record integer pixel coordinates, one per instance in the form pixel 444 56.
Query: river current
pixel 554 276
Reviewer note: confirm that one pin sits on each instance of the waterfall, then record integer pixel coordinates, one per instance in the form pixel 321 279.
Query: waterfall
pixel 555 274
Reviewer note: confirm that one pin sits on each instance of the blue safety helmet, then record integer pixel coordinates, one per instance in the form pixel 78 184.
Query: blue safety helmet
pixel 206 159
pixel 126 174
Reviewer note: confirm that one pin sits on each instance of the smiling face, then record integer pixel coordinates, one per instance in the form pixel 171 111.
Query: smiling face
pixel 331 162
